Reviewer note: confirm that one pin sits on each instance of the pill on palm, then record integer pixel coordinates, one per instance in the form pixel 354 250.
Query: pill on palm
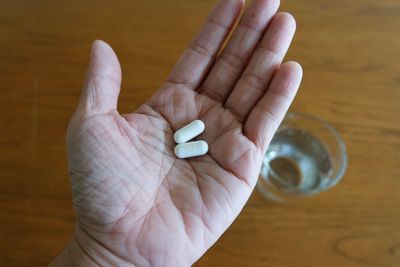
pixel 191 149
pixel 189 132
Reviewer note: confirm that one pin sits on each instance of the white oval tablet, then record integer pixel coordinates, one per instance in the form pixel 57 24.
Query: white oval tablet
pixel 189 132
pixel 191 149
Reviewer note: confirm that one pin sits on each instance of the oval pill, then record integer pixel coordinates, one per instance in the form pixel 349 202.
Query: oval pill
pixel 189 132
pixel 191 149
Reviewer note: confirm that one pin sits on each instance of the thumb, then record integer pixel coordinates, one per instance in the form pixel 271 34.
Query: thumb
pixel 103 81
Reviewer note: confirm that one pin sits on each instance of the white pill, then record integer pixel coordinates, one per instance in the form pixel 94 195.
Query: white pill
pixel 191 149
pixel 189 132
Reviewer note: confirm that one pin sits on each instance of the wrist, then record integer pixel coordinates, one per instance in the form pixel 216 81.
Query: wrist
pixel 82 250
pixel 73 255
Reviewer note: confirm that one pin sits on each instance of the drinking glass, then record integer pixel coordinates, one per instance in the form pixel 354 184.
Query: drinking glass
pixel 306 156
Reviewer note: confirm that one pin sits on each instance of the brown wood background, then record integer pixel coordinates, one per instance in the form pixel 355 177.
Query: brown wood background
pixel 350 51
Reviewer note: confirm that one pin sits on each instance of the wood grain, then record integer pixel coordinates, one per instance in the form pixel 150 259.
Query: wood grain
pixel 350 54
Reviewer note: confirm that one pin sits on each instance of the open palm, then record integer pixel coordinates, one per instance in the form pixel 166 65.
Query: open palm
pixel 136 200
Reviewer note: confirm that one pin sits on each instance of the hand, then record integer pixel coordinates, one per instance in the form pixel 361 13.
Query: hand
pixel 136 203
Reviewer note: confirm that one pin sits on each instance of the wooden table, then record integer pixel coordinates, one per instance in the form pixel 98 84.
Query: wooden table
pixel 351 59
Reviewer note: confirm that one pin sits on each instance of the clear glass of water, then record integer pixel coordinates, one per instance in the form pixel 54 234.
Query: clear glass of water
pixel 306 156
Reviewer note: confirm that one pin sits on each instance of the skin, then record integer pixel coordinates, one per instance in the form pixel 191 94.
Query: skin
pixel 136 203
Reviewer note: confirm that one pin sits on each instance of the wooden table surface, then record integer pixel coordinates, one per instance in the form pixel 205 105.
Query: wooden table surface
pixel 350 52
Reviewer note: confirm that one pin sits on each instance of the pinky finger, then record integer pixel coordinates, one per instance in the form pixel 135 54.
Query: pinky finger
pixel 268 113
